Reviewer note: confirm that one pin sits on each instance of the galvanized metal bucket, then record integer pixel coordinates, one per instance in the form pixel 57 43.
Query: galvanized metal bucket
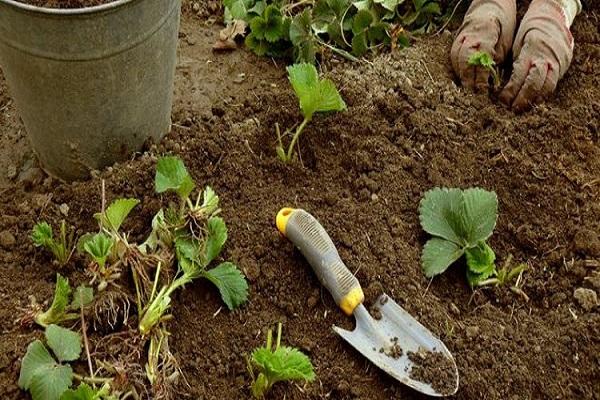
pixel 92 85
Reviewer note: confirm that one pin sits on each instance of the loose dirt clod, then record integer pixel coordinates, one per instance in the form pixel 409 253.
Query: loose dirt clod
pixel 587 298
pixel 433 368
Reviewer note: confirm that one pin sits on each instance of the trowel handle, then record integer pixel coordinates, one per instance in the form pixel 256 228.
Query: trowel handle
pixel 314 243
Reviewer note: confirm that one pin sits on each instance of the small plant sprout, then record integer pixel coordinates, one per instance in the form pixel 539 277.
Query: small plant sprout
pixel 61 247
pixel 461 222
pixel 275 364
pixel 109 248
pixel 62 309
pixel 99 247
pixel 314 95
pixel 198 236
pixel 484 59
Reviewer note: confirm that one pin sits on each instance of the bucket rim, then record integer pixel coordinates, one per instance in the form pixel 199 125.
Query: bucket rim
pixel 67 11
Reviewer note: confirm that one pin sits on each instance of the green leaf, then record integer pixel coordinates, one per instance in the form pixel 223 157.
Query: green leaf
pixel 83 392
pixel 239 9
pixel 36 357
pixel 259 46
pixel 57 311
pixel 215 238
pixel 362 20
pixel 116 213
pixel 82 297
pixel 187 250
pixel 314 95
pixel 83 239
pixel 231 284
pixel 42 375
pixel 159 232
pixel 438 255
pixel 42 235
pixel 480 214
pixel 210 202
pixel 302 37
pixel 51 383
pixel 480 259
pixel 283 364
pixel 441 214
pixel 389 4
pixel 359 44
pixel 65 343
pixel 171 174
pixel 474 278
pixel 99 246
pixel 260 386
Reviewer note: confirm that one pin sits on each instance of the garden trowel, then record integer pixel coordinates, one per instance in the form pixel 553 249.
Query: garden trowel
pixel 389 338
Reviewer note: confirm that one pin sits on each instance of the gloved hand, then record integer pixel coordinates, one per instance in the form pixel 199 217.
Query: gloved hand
pixel 489 25
pixel 543 50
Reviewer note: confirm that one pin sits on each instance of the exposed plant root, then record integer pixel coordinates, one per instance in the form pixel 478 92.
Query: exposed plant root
pixel 121 355
pixel 111 310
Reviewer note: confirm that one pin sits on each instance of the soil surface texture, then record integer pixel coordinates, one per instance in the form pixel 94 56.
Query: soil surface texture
pixel 409 127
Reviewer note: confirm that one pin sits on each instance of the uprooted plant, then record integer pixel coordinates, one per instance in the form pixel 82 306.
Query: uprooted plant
pixel 195 234
pixel 65 305
pixel 314 95
pixel 61 247
pixel 269 365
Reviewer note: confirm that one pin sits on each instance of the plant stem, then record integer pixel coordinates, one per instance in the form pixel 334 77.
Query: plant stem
pixel 269 339
pixel 279 329
pixel 89 379
pixel 86 342
pixel 296 136
pixel 155 281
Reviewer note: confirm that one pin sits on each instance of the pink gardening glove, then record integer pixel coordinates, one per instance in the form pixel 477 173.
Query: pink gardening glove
pixel 489 26
pixel 543 51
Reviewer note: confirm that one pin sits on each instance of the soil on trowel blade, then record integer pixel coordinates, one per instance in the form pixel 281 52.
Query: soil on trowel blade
pixel 433 368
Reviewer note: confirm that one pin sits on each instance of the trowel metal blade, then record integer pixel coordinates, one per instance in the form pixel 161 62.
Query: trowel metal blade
pixel 372 335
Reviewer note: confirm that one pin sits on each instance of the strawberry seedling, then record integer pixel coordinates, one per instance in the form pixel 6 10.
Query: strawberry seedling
pixel 277 364
pixel 62 309
pixel 461 223
pixel 314 95
pixel 61 247
pixel 484 59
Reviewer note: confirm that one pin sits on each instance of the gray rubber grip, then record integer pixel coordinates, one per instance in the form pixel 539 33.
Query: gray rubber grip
pixel 314 243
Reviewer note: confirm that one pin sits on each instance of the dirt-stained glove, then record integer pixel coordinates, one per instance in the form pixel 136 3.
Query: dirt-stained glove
pixel 543 50
pixel 489 25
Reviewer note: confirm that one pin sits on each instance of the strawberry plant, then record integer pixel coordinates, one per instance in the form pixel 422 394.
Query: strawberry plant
pixel 198 235
pixel 61 247
pixel 277 364
pixel 484 59
pixel 461 223
pixel 302 30
pixel 314 95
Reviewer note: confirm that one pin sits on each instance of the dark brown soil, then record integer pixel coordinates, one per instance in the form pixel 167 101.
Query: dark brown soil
pixel 433 368
pixel 362 173
pixel 66 3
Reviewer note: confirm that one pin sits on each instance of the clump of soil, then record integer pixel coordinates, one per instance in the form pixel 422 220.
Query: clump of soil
pixel 434 368
pixel 66 3
pixel 393 350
